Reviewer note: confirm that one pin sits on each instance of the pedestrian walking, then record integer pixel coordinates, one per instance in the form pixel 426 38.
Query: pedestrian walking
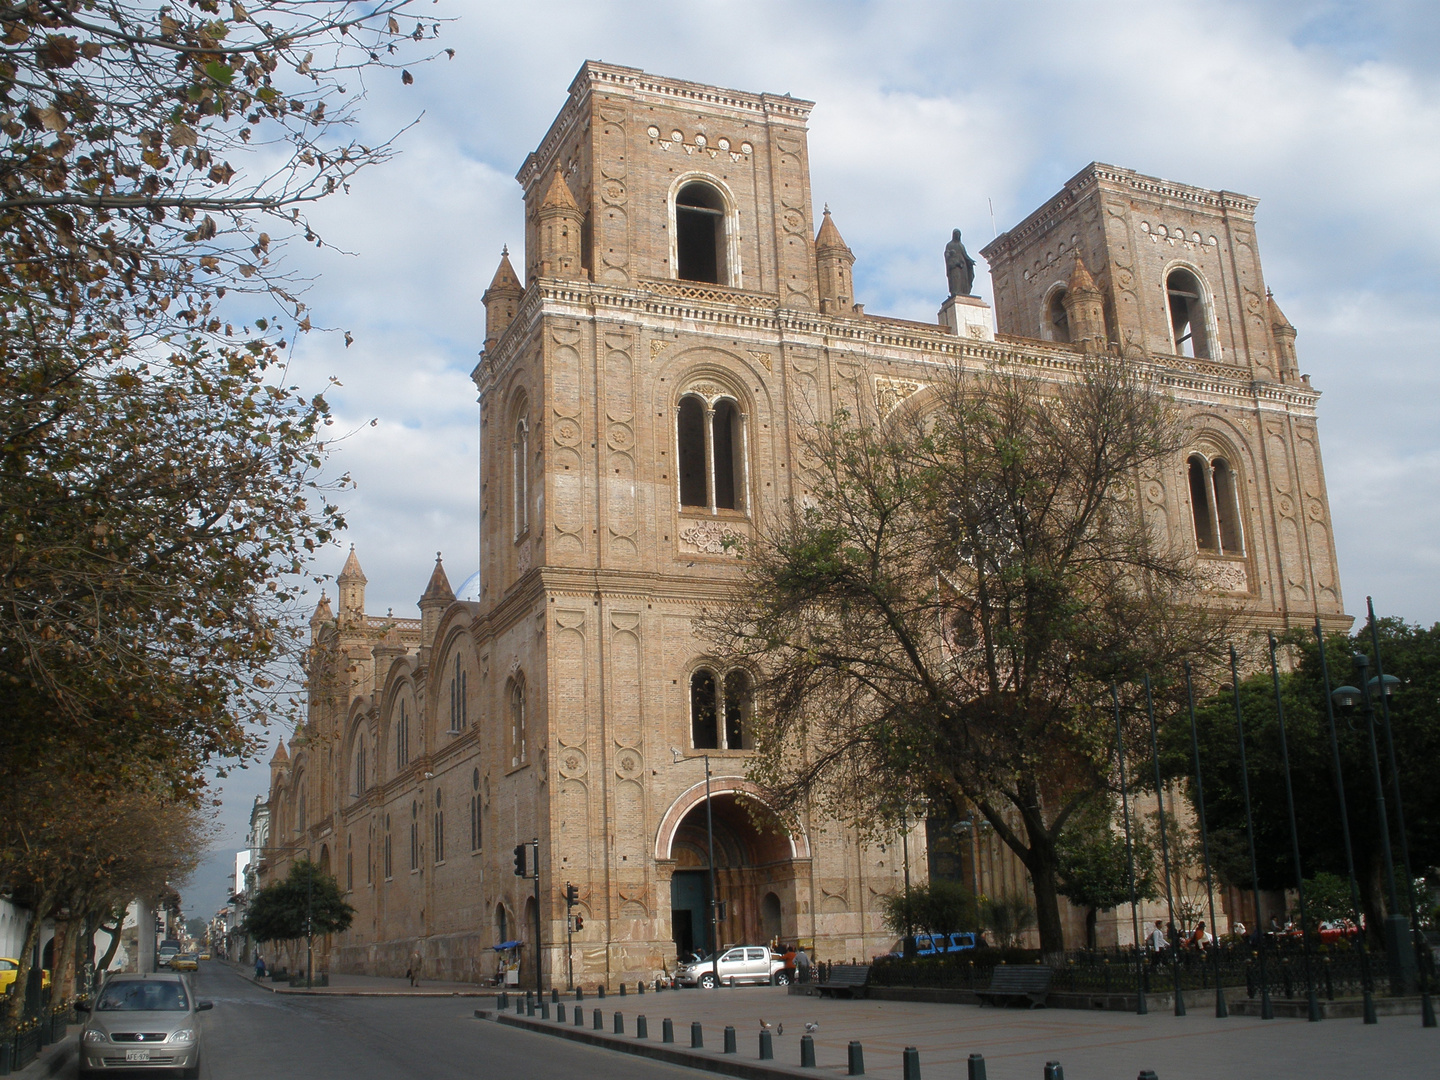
pixel 1158 942
pixel 802 964
pixel 259 966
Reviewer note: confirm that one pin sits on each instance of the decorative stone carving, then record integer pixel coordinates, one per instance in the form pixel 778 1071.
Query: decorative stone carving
pixel 709 538
pixel 628 764
pixel 657 346
pixel 709 391
pixel 567 431
pixel 761 358
pixel 573 762
pixel 1224 575
pixel 889 392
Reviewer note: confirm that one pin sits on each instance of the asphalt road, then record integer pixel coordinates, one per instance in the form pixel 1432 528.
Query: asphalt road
pixel 254 1033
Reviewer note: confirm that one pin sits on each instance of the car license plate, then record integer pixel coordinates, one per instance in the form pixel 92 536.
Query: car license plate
pixel 137 1055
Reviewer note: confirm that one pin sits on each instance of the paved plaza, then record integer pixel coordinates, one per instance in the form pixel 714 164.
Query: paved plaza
pixel 1017 1043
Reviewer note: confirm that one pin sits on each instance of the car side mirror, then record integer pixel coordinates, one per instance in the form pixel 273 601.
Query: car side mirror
pixel 202 1006
pixel 82 1006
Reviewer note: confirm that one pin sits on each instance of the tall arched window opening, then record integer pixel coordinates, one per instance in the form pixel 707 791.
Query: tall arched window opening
pixel 360 767
pixel 1189 324
pixel 694 484
pixel 726 437
pixel 502 924
pixel 1057 323
pixel 414 835
pixel 1215 505
pixel 458 712
pixel 439 849
pixel 389 850
pixel 402 739
pixel 710 453
pixel 704 731
pixel 475 811
pixel 700 247
pixel 517 722
pixel 737 711
pixel 520 450
pixel 350 862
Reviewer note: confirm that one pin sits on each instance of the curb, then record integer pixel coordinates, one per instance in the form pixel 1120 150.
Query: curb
pixel 672 1054
pixel 52 1059
pixel 338 992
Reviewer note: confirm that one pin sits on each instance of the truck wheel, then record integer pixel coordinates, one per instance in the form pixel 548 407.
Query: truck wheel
pixel 782 978
pixel 707 981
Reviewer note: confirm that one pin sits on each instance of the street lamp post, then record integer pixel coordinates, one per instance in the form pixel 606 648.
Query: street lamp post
pixel 1221 1009
pixel 1174 937
pixel 677 756
pixel 1399 959
pixel 1141 1008
pixel 1267 1009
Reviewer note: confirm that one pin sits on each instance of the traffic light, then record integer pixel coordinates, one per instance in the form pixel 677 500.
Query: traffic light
pixel 520 859
pixel 572 895
pixel 720 910
pixel 579 923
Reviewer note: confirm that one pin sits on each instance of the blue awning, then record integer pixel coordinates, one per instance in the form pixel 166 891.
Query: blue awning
pixel 508 945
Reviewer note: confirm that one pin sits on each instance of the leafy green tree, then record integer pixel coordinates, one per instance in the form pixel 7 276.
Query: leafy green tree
pixel 936 907
pixel 1007 918
pixel 307 900
pixel 1094 864
pixel 942 612
pixel 1411 653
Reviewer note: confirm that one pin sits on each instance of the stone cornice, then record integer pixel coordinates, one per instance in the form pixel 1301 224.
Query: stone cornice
pixel 1113 178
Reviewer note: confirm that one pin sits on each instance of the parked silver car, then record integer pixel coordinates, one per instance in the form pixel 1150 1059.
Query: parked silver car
pixel 143 1022
pixel 742 964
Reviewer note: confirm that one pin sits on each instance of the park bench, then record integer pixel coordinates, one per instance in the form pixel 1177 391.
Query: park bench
pixel 845 979
pixel 1018 983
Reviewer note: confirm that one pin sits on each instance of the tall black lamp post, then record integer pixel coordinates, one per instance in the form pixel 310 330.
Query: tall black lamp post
pixel 677 756
pixel 1399 955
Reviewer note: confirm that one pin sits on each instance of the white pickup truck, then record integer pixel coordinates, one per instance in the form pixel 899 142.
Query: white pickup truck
pixel 742 964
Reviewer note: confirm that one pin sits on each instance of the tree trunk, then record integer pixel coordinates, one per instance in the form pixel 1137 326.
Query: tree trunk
pixel 1047 899
pixel 62 978
pixel 32 935
pixel 1090 917
pixel 103 964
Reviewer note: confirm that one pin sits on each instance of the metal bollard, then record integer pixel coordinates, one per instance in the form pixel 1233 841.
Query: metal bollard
pixel 579 1016
pixel 554 995
pixel 857 1058
pixel 529 1005
pixel 619 1022
pixel 1148 1074
pixel 697 1037
pixel 519 1007
pixel 640 987
pixel 579 993
pixel 730 1040
pixel 977 1067
pixel 503 1003
pixel 767 1047
pixel 599 1021
pixel 1053 1071
pixel 529 996
pixel 667 1031
pixel 642 1029
pixel 560 1012
pixel 807 1052
pixel 544 1009
pixel 910 1063
pixel 600 991
pixel 622 989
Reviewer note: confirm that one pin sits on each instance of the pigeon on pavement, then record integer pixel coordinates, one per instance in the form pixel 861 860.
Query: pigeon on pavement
pixel 811 1027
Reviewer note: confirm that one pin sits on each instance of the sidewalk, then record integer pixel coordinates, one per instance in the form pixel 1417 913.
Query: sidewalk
pixel 1016 1043
pixel 369 986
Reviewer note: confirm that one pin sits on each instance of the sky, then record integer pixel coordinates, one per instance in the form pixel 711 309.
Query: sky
pixel 928 115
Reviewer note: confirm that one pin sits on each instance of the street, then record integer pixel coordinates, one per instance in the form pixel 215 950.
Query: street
pixel 254 1033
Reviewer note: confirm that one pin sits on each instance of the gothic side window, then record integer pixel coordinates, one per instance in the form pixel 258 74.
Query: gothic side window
pixel 439 850
pixel 1189 318
pixel 720 710
pixel 414 835
pixel 518 732
pixel 520 451
pixel 360 767
pixel 300 814
pixel 475 836
pixel 458 717
pixel 700 241
pixel 1215 505
pixel 370 854
pixel 350 862
pixel 710 453
pixel 389 862
pixel 402 739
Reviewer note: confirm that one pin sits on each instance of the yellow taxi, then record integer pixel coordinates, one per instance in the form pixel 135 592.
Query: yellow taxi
pixel 204 956
pixel 184 961
pixel 10 968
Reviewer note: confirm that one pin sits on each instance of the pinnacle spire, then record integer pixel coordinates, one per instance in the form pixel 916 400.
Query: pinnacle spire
pixel 439 587
pixel 351 570
pixel 828 236
pixel 1080 279
pixel 505 279
pixel 1277 317
pixel 558 194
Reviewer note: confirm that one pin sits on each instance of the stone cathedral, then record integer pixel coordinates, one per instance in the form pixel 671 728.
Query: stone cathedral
pixel 681 317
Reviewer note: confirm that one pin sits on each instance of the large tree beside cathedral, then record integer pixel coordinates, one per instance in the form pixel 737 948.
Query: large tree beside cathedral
pixel 938 621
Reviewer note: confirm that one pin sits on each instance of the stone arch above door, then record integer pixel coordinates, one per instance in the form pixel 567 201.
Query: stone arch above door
pixel 694 796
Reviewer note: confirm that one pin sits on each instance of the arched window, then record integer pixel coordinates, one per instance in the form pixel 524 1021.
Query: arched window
pixel 300 817
pixel 439 851
pixel 1189 321
pixel 350 862
pixel 720 711
pixel 389 862
pixel 520 450
pixel 370 854
pixel 414 835
pixel 502 924
pixel 700 242
pixel 458 712
pixel 517 722
pixel 1057 323
pixel 1215 506
pixel 475 810
pixel 710 453
pixel 704 732
pixel 360 777
pixel 402 739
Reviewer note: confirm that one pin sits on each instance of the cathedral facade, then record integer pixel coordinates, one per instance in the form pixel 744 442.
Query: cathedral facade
pixel 681 320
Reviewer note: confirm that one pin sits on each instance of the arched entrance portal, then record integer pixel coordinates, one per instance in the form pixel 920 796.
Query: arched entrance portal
pixel 755 876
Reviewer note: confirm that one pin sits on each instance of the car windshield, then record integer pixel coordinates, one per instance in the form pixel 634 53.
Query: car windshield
pixel 143 996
